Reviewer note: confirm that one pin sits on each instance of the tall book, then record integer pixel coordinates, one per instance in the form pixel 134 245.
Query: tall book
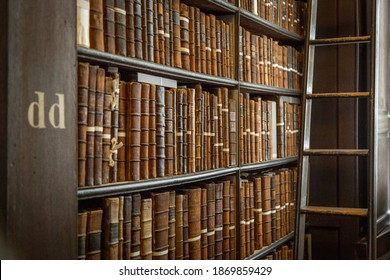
pixel 258 213
pixel 106 137
pixel 211 220
pixel 226 220
pixel 194 223
pixel 134 130
pixel 94 234
pixel 184 36
pixel 190 131
pixel 120 227
pixel 233 218
pixel 146 229
pixel 172 226
pixel 232 132
pixel 136 227
pixel 115 145
pixel 96 35
pixel 266 206
pixel 110 228
pixel 120 27
pixel 175 5
pixel 82 218
pixel 130 30
pixel 144 151
pixel 186 245
pixel 203 224
pixel 160 131
pixel 218 221
pixel 150 30
pixel 160 225
pixel 243 251
pixel 127 222
pixel 179 201
pixel 122 136
pixel 109 25
pixel 82 96
pixel 83 23
pixel 199 128
pixel 98 149
pixel 169 133
pixel 138 39
pixel 152 156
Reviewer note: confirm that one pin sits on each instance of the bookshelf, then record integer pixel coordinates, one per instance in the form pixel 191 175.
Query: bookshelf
pixel 59 186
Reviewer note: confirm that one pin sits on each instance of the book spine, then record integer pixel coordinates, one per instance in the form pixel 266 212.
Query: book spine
pixel 191 145
pixel 219 221
pixel 134 130
pixel 82 218
pixel 115 145
pixel 184 36
pixel 226 220
pixel 120 27
pixel 160 131
pixel 199 128
pixel 121 155
pixel 130 30
pixel 169 137
pixel 194 223
pixel 176 34
pixel 146 229
pixel 138 39
pixel 203 225
pixel 211 220
pixel 179 238
pixel 127 223
pixel 136 227
pixel 120 228
pixel 160 32
pixel 160 225
pixel 111 227
pixel 152 133
pixel 232 132
pixel 144 150
pixel 107 131
pixel 109 25
pixel 168 32
pixel 94 234
pixel 172 226
pixel 82 96
pixel 96 35
pixel 98 149
pixel 83 7
pixel 186 247
pixel 232 221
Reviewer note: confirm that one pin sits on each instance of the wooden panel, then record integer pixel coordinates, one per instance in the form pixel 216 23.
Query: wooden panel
pixel 42 160
pixel 325 243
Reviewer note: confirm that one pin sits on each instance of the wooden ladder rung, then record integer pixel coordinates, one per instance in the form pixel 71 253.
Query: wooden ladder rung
pixel 338 95
pixel 341 40
pixel 362 212
pixel 335 152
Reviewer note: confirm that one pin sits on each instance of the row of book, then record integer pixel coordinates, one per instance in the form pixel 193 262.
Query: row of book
pixel 264 61
pixel 166 32
pixel 267 209
pixel 285 252
pixel 269 129
pixel 196 223
pixel 289 14
pixel 130 131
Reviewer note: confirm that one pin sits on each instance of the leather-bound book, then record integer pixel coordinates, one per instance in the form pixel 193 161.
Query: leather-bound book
pixel 243 252
pixel 176 34
pixel 184 36
pixel 199 128
pixel 283 211
pixel 82 218
pixel 110 228
pixel 266 205
pixel 247 218
pixel 160 225
pixel 136 227
pixel 98 150
pixel 138 40
pixel 224 50
pixel 186 245
pixel 274 185
pixel 130 30
pixel 122 136
pixel 232 132
pixel 90 153
pixel 247 56
pixel 146 229
pixel 152 133
pixel 224 96
pixel 179 200
pixel 106 137
pixel 211 219
pixel 252 216
pixel 172 226
pixel 252 123
pixel 94 234
pixel 229 51
pixel 144 24
pixel 156 46
pixel 208 45
pixel 253 53
pixel 127 218
pixel 109 25
pixel 134 92
pixel 258 213
pixel 169 136
pixel 120 27
pixel 226 220
pixel 83 23
pixel 144 155
pixel 197 32
pixel 261 60
pixel 215 144
pixel 82 119
pixel 194 224
pixel 218 35
pixel 168 37
pixel 160 33
pixel 232 221
pixel 191 28
pixel 120 227
pixel 150 30
pixel 203 225
pixel 258 134
pixel 213 45
pixel 280 126
pixel 219 221
pixel 160 131
pixel 203 55
pixel 180 132
pixel 242 129
pixel 207 128
pixel 115 145
pixel 219 129
pixel 96 35
pixel 190 133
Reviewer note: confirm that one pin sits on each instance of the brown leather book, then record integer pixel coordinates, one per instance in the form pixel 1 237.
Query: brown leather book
pixel 233 218
pixel 83 23
pixel 82 218
pixel 168 32
pixel 220 130
pixel 275 185
pixel 224 50
pixel 258 134
pixel 120 228
pixel 152 158
pixel 115 145
pixel 121 154
pixel 150 30
pixel 218 45
pixel 138 39
pixel 203 225
pixel 186 245
pixel 144 151
pixel 242 134
pixel 229 51
pixel 247 56
pixel 144 24
pixel 211 219
pixel 243 252
pixel 191 28
pixel 218 221
pixel 90 152
pixel 120 27
pixel 110 228
pixel 169 136
pixel 252 123
pixel 160 58
pixel 179 238
pixel 106 137
pixel 203 55
pixel 136 227
pixel 214 130
pixel 82 118
pixel 172 226
pixel 208 125
pixel 208 45
pixel 156 46
pixel 282 202
pixel 199 128
pixel 127 218
pixel 184 36
pixel 94 234
pixel 98 149
pixel 213 45
pixel 160 225
pixel 197 31
pixel 261 60
pixel 134 130
pixel 130 30
pixel 252 217
pixel 258 213
pixel 160 131
pixel 266 205
pixel 175 5
pixel 254 63
pixel 146 229
pixel 232 132
pixel 190 131
pixel 96 35
pixel 109 25
pixel 226 220
pixel 247 218
pixel 280 126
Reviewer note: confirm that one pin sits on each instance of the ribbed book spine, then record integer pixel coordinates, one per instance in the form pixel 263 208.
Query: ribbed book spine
pixel 127 223
pixel 136 227
pixel 226 220
pixel 134 130
pixel 82 218
pixel 96 35
pixel 114 126
pixel 152 133
pixel 130 30
pixel 194 223
pixel 203 224
pixel 172 226
pixel 179 226
pixel 94 234
pixel 106 137
pixel 160 225
pixel 110 230
pixel 169 136
pixel 82 96
pixel 144 151
pixel 146 229
pixel 109 25
pixel 160 131
pixel 121 155
pixel 211 220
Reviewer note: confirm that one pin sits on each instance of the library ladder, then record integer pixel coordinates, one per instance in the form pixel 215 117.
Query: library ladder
pixel 303 206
